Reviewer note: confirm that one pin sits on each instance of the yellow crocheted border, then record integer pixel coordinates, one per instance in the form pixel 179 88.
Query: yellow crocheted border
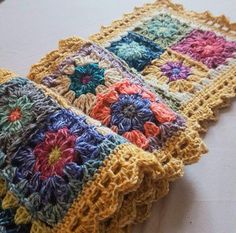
pixel 217 23
pixel 203 107
pixel 120 193
pixel 185 144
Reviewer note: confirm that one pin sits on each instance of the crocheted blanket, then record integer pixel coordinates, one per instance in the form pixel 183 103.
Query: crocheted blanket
pixel 61 171
pixel 95 81
pixel 104 87
pixel 97 139
pixel 188 57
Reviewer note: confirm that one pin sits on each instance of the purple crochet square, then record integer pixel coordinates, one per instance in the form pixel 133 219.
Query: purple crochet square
pixel 206 47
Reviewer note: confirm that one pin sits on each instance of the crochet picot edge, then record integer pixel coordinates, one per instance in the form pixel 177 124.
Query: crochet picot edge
pixel 123 189
pixel 184 144
pixel 205 105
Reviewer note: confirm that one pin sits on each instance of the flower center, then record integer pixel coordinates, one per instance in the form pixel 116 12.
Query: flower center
pixel 162 29
pixel 15 115
pixel 86 79
pixel 129 111
pixel 208 50
pixel 176 71
pixel 54 155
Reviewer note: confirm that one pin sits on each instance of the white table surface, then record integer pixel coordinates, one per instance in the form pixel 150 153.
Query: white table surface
pixel 204 200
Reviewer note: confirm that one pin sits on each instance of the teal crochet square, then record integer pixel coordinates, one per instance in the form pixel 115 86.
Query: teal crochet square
pixel 136 50
pixel 23 107
pixel 163 29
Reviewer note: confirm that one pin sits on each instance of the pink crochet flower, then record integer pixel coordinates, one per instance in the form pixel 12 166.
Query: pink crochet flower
pixel 54 152
pixel 206 47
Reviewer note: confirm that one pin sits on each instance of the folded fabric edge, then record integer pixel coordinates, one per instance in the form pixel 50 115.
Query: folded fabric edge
pixel 144 171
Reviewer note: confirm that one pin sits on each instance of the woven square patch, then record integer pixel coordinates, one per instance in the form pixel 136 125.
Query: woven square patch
pixel 136 50
pixel 163 29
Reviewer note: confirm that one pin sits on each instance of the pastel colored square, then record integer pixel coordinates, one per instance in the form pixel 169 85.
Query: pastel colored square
pixel 177 73
pixel 163 29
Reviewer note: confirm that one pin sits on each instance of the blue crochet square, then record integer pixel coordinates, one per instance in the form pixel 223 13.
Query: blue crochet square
pixel 136 50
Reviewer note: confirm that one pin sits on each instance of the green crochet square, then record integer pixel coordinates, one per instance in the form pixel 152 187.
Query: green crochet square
pixel 163 29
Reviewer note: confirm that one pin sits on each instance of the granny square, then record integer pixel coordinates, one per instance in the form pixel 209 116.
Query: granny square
pixel 136 50
pixel 23 107
pixel 177 75
pixel 163 29
pixel 50 170
pixel 206 47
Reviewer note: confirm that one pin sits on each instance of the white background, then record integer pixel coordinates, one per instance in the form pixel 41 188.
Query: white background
pixel 204 200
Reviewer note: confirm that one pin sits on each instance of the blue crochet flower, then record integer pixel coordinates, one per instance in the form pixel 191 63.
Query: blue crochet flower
pixel 136 50
pixel 130 112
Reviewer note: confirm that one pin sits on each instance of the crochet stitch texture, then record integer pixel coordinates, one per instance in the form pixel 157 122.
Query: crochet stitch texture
pixel 124 103
pixel 69 173
pixel 195 72
pixel 64 168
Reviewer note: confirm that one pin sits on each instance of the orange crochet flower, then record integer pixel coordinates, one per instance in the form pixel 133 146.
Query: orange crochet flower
pixel 133 112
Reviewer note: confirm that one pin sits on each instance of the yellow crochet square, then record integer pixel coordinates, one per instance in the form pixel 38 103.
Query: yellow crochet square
pixel 193 77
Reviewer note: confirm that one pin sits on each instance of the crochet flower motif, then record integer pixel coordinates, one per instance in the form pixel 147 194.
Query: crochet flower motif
pixel 135 50
pixel 52 167
pixel 176 72
pixel 22 107
pixel 131 51
pixel 86 78
pixel 57 149
pixel 133 112
pixel 163 29
pixel 15 114
pixel 81 78
pixel 206 47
